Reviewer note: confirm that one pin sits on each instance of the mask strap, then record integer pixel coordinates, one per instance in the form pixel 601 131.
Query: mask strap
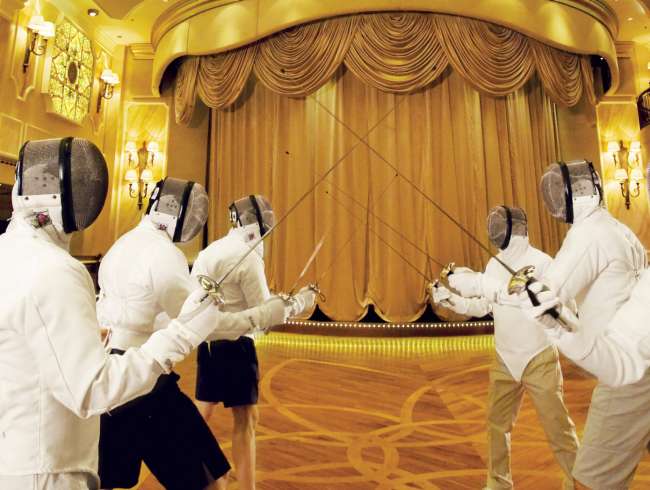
pixel 258 214
pixel 595 180
pixel 568 192
pixel 65 183
pixel 506 240
pixel 19 169
pixel 181 216
pixel 155 195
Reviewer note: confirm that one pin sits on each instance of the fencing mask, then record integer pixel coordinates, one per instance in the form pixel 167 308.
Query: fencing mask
pixel 180 207
pixel 568 186
pixel 253 209
pixel 62 182
pixel 503 223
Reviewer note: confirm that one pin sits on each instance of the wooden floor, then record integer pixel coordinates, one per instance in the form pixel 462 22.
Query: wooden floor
pixel 399 413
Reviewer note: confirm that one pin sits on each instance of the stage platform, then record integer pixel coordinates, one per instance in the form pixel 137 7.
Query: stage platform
pixel 387 413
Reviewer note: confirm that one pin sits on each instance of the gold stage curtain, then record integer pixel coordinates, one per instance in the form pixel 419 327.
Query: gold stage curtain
pixel 467 150
pixel 298 61
pixel 396 52
pixel 221 78
pixel 185 90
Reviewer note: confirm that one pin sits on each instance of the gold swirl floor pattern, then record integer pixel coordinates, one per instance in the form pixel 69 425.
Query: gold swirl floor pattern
pixel 384 414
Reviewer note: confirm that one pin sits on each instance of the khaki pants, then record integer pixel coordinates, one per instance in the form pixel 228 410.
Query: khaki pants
pixel 50 481
pixel 542 380
pixel 616 435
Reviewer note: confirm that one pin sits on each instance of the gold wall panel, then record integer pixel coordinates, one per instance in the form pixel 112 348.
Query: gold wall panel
pixel 143 122
pixel 620 122
pixel 580 26
pixel 11 133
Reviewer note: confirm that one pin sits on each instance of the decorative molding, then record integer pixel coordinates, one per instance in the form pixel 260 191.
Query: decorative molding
pixel 579 26
pixel 599 10
pixel 180 12
pixel 11 136
pixel 35 133
pixel 618 99
pixel 24 82
pixel 8 8
pixel 624 49
pixel 142 51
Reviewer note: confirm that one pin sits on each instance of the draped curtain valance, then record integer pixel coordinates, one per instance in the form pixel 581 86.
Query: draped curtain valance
pixel 393 52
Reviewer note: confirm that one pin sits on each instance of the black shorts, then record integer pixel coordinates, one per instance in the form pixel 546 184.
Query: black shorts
pixel 166 431
pixel 228 372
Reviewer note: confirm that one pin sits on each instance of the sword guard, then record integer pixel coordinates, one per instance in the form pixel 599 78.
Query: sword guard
pixel 447 271
pixel 319 294
pixel 212 289
pixel 521 279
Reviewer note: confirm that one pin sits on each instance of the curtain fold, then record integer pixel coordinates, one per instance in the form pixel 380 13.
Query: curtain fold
pixel 298 61
pixel 560 72
pixel 221 78
pixel 185 90
pixel 393 52
pixel 396 52
pixel 466 150
pixel 494 59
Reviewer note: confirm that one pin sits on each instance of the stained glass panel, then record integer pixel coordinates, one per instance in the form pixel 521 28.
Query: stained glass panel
pixel 71 76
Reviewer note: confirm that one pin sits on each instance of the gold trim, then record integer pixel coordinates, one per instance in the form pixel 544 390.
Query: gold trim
pixel 180 12
pixel 579 26
pixel 142 51
pixel 624 49
pixel 597 9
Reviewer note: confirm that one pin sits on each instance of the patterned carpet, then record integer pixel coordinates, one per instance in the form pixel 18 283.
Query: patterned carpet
pixel 399 413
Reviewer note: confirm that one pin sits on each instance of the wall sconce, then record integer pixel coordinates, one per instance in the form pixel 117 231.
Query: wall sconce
pixel 139 174
pixel 630 184
pixel 108 80
pixel 39 31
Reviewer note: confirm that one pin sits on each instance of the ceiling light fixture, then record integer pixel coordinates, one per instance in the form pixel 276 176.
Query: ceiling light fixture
pixel 93 12
pixel 630 18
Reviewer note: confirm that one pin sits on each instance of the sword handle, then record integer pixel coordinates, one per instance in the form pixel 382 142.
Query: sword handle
pixel 554 312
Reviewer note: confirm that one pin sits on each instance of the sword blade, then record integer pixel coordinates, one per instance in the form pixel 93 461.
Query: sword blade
pixel 419 191
pixel 309 191
pixel 308 264
pixel 382 239
pixel 385 223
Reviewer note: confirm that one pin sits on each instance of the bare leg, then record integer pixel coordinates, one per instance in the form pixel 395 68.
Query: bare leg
pixel 206 409
pixel 243 445
pixel 220 484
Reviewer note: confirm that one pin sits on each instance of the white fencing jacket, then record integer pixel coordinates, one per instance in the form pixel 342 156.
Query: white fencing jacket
pixel 517 337
pixel 598 265
pixel 54 372
pixel 246 286
pixel 145 277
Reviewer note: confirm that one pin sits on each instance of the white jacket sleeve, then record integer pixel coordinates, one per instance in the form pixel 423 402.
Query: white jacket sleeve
pixel 576 266
pixel 475 307
pixel 252 280
pixel 64 338
pixel 621 355
pixel 170 278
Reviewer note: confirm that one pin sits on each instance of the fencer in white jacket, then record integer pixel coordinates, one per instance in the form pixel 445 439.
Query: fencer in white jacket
pixel 598 265
pixel 525 360
pixel 228 371
pixel 144 279
pixel 55 375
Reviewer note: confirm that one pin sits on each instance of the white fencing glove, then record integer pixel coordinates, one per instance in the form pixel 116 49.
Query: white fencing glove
pixel 472 284
pixel 442 296
pixel 548 299
pixel 197 319
pixel 302 301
